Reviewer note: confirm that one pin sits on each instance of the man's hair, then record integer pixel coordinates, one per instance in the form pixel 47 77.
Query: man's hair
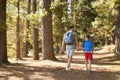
pixel 88 36
pixel 70 27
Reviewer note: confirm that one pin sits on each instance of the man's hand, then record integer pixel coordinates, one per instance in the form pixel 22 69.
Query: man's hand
pixel 77 48
pixel 62 49
pixel 63 45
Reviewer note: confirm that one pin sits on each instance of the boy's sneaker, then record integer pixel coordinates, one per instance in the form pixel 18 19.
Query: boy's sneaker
pixel 67 69
pixel 89 70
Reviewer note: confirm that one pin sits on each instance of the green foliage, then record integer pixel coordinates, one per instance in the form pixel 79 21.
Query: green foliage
pixel 59 10
pixel 11 23
pixel 94 17
pixel 35 18
pixel 82 15
pixel 103 26
pixel 35 21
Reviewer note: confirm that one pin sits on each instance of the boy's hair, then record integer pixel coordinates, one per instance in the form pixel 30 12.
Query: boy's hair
pixel 70 27
pixel 88 36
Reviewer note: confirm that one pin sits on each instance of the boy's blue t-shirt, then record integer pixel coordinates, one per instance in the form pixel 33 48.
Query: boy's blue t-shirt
pixel 88 46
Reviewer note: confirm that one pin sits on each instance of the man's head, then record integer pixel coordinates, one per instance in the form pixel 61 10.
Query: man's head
pixel 71 28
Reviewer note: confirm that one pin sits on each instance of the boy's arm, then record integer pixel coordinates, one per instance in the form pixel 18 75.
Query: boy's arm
pixel 93 47
pixel 83 45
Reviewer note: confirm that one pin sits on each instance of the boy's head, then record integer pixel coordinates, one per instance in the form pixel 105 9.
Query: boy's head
pixel 87 37
pixel 71 28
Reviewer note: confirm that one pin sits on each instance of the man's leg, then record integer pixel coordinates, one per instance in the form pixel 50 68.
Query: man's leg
pixel 71 52
pixel 67 53
pixel 69 61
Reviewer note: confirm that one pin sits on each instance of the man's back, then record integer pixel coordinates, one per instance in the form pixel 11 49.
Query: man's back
pixel 71 46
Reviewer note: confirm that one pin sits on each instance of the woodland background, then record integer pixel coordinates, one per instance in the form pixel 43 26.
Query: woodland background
pixel 34 27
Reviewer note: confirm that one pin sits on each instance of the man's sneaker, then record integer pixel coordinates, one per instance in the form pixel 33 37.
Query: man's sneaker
pixel 86 69
pixel 67 69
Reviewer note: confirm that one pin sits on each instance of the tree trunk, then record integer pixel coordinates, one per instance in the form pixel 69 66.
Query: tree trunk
pixel 47 42
pixel 117 38
pixel 18 34
pixel 3 34
pixel 106 39
pixel 73 14
pixel 35 36
pixel 25 44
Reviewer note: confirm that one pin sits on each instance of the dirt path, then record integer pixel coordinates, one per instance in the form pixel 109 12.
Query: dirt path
pixel 105 67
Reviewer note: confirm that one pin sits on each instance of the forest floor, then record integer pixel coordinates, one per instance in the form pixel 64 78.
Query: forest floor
pixel 105 67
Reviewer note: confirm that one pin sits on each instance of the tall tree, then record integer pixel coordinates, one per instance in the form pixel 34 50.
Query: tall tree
pixel 117 39
pixel 3 34
pixel 117 29
pixel 18 33
pixel 47 42
pixel 35 35
pixel 25 44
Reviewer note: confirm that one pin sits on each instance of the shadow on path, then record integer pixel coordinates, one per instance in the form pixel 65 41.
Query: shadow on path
pixel 26 72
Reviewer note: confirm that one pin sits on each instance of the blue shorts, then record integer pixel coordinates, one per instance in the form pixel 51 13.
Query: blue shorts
pixel 69 52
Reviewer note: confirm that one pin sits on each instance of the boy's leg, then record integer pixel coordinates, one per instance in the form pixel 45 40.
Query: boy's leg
pixel 89 61
pixel 86 64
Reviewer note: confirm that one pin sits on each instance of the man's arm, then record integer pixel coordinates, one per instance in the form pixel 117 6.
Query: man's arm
pixel 63 44
pixel 76 42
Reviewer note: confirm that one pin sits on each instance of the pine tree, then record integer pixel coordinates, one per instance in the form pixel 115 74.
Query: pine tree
pixel 3 32
pixel 47 43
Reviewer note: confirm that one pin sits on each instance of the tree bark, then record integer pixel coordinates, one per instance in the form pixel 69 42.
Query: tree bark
pixel 25 44
pixel 18 34
pixel 47 42
pixel 35 36
pixel 3 32
pixel 117 37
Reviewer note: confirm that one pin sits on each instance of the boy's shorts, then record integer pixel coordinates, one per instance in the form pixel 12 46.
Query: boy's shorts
pixel 88 56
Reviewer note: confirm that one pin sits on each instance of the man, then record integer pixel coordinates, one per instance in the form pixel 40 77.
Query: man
pixel 71 41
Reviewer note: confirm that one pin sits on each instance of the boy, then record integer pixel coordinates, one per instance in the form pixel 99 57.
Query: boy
pixel 88 52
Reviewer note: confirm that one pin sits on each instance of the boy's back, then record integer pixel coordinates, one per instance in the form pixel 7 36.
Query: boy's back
pixel 88 45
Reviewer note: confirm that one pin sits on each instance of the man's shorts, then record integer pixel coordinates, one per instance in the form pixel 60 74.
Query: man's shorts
pixel 88 56
pixel 69 52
